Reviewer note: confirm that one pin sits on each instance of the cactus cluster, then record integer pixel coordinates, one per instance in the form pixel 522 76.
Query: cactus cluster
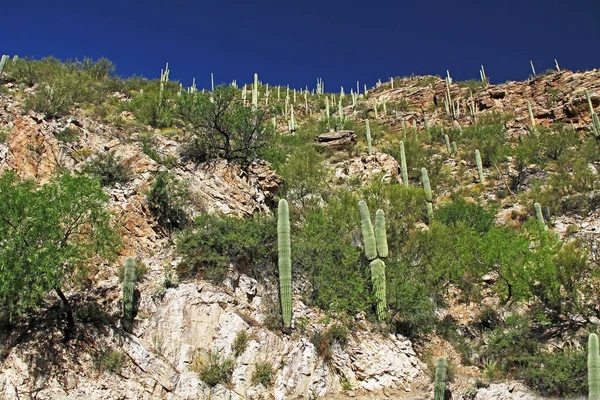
pixel 376 248
pixel 285 261
pixel 129 294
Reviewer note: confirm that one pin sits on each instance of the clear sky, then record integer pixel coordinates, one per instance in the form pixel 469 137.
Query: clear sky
pixel 294 42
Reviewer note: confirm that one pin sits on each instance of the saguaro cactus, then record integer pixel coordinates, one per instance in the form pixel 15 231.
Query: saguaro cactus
pixel 285 261
pixel 428 194
pixel 448 147
pixel 441 374
pixel 368 129
pixel 128 294
pixel 479 166
pixel 3 61
pixel 454 149
pixel 593 368
pixel 539 216
pixel 376 247
pixel 403 164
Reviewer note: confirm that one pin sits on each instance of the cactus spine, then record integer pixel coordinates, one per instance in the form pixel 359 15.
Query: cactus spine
pixel 479 166
pixel 128 294
pixel 285 261
pixel 3 63
pixel 593 368
pixel 539 216
pixel 376 247
pixel 368 129
pixel 428 194
pixel 403 165
pixel 441 374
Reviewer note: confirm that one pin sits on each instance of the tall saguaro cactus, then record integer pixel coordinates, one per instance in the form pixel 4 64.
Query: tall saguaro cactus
pixel 376 247
pixel 3 61
pixel 428 194
pixel 593 368
pixel 479 166
pixel 368 129
pixel 441 374
pixel 129 294
pixel 285 261
pixel 403 165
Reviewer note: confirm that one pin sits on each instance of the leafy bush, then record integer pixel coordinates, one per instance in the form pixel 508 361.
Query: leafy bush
pixel 92 312
pixel 323 340
pixel 471 214
pixel 166 200
pixel 55 99
pixel 213 242
pixel 263 374
pixel 109 168
pixel 211 368
pixel 112 361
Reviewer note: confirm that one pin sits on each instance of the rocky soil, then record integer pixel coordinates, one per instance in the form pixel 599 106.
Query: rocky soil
pixel 174 323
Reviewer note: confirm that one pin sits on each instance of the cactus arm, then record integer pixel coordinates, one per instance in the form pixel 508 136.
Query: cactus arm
pixel 380 234
pixel 367 231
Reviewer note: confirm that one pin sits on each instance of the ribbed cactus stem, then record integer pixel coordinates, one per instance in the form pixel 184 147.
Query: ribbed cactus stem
pixel 255 91
pixel 380 235
pixel 292 120
pixel 593 368
pixel 212 82
pixel 426 185
pixel 367 231
pixel 595 120
pixel 441 374
pixel 530 114
pixel 532 68
pixel 368 129
pixel 428 194
pixel 285 261
pixel 448 147
pixel 3 61
pixel 327 107
pixel 556 65
pixel 379 287
pixel 479 166
pixel 403 165
pixel 454 149
pixel 128 294
pixel 539 216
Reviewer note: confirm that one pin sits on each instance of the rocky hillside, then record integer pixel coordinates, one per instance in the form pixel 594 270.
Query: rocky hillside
pixel 188 322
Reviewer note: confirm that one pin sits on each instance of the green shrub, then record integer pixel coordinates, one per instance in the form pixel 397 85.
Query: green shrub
pixel 213 242
pixel 562 373
pixel 211 368
pixel 67 135
pixel 240 343
pixel 166 201
pixel 93 313
pixel 109 168
pixel 263 374
pixel 111 361
pixel 471 214
pixel 54 100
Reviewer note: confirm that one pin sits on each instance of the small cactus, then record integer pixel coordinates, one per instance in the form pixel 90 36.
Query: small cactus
pixel 368 128
pixel 403 165
pixel 479 166
pixel 593 368
pixel 285 262
pixel 441 374
pixel 129 294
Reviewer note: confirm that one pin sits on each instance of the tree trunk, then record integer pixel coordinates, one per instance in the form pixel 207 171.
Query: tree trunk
pixel 70 333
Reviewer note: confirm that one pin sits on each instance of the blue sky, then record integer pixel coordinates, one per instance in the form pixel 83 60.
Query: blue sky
pixel 296 42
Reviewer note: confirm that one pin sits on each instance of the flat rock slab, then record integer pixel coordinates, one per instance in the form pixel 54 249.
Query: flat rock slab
pixel 336 139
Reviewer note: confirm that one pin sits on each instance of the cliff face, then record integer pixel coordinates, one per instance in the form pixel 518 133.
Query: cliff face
pixel 175 324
